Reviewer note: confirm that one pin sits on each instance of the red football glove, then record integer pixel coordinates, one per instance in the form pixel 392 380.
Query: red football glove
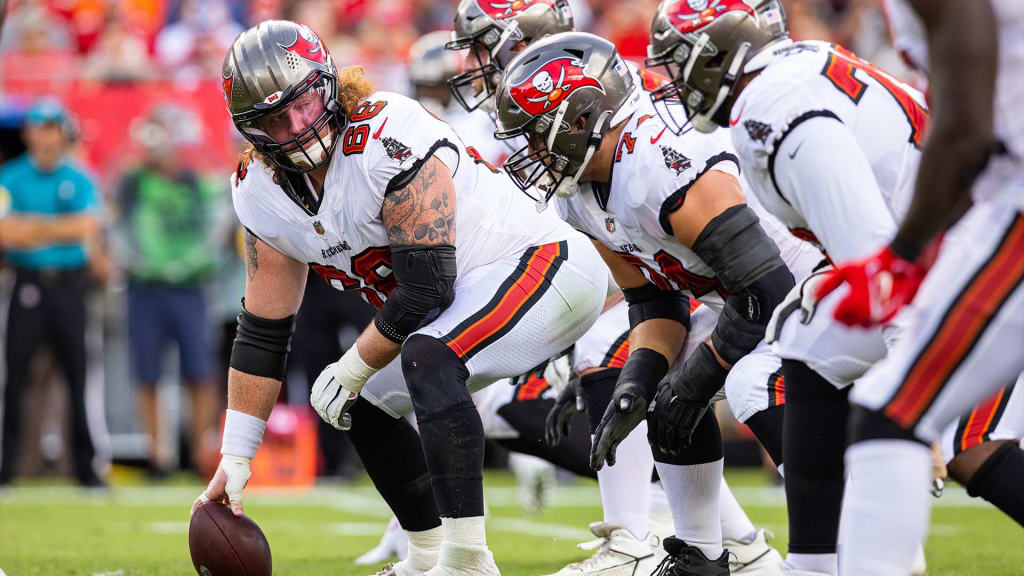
pixel 880 285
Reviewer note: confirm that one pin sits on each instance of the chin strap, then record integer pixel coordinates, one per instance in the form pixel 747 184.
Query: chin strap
pixel 704 121
pixel 567 189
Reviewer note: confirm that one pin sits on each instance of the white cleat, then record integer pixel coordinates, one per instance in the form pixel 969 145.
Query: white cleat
pixel 619 553
pixel 393 545
pixel 756 558
pixel 788 570
pixel 458 560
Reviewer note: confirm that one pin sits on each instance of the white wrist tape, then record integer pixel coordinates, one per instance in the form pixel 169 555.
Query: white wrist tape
pixel 351 371
pixel 242 434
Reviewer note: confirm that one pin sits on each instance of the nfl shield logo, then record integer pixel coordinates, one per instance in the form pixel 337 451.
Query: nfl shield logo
pixel 609 223
pixel 318 227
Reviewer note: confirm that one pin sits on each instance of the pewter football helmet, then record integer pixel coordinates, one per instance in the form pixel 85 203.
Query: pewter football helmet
pixel 267 67
pixel 547 90
pixel 495 27
pixel 706 45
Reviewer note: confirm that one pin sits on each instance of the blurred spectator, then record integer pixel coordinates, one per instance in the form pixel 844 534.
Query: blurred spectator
pixel 192 49
pixel 36 54
pixel 166 227
pixel 119 53
pixel 48 229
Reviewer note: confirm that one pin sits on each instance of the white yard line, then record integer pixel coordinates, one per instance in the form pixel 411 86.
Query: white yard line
pixel 365 501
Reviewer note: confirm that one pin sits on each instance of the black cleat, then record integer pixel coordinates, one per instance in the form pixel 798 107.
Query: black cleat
pixel 685 560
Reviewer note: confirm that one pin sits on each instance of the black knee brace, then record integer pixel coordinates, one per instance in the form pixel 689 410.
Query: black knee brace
pixel 598 387
pixel 393 457
pixel 997 480
pixel 450 427
pixel 706 445
pixel 814 439
pixel 767 428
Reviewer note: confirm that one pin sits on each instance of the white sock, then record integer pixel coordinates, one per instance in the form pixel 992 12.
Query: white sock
pixel 735 523
pixel 464 531
pixel 886 509
pixel 693 495
pixel 656 499
pixel 625 486
pixel 422 549
pixel 817 563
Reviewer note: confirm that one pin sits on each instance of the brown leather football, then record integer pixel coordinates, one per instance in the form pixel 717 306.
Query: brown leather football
pixel 223 545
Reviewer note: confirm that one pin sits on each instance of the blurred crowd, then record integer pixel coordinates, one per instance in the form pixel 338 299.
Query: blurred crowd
pixel 131 89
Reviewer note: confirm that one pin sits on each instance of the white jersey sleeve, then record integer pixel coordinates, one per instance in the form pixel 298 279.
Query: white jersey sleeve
pixel 821 171
pixel 403 134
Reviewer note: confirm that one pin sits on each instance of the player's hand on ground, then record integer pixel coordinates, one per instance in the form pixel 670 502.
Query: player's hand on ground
pixel 569 402
pixel 625 412
pixel 672 420
pixel 880 285
pixel 332 401
pixel 227 484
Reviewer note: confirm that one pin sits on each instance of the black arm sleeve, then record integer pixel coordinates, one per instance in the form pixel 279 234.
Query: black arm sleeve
pixel 748 264
pixel 261 345
pixel 426 282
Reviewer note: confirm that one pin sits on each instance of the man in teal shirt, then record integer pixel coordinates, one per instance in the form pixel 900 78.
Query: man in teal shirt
pixel 48 224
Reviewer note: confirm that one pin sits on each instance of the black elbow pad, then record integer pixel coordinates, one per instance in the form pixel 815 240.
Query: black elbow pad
pixel 649 301
pixel 261 345
pixel 746 314
pixel 426 282
pixel 735 246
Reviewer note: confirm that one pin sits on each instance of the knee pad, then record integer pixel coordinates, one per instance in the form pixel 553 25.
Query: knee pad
pixel 598 387
pixel 868 424
pixel 436 377
pixel 706 445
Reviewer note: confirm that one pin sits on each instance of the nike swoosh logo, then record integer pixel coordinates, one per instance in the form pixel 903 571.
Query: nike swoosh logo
pixel 376 135
pixel 654 139
pixel 736 120
pixel 797 149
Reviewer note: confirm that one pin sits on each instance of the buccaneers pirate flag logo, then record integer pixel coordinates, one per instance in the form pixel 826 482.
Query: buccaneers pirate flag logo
pixel 308 46
pixel 550 85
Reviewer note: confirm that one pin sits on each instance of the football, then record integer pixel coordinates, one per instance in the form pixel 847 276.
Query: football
pixel 223 545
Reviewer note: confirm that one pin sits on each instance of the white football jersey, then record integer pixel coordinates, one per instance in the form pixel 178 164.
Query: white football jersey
pixel 651 172
pixel 344 239
pixel 870 142
pixel 1005 174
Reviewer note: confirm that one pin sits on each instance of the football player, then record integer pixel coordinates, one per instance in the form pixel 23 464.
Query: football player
pixel 491 34
pixel 471 283
pixel 829 145
pixel 668 215
pixel 967 321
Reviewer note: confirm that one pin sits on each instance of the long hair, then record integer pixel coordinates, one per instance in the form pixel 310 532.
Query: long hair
pixel 353 87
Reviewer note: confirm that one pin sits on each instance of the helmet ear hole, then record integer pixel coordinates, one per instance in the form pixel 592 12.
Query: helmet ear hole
pixel 716 61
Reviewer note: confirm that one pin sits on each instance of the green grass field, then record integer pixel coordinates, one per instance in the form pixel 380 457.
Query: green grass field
pixel 142 530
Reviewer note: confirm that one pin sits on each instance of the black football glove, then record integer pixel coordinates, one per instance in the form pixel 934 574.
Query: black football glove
pixel 569 402
pixel 627 409
pixel 672 420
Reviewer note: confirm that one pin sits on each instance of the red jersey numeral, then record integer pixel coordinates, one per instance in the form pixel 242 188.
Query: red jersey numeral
pixel 373 266
pixel 686 280
pixel 367 110
pixel 354 141
pixel 475 155
pixel 839 70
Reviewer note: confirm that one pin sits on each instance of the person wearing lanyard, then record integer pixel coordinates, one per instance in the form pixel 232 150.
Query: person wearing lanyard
pixel 48 221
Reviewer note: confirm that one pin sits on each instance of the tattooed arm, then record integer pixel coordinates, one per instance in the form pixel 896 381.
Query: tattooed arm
pixel 422 214
pixel 273 289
